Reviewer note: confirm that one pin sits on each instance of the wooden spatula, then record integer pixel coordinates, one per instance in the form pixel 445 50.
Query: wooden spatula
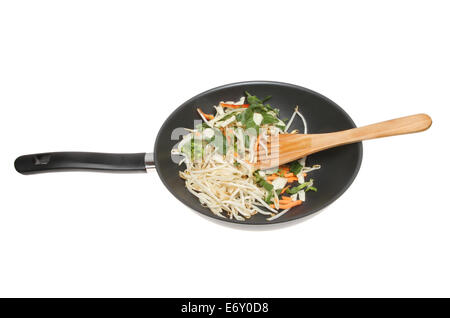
pixel 290 147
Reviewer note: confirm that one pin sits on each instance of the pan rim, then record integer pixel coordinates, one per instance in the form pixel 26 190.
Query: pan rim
pixel 264 82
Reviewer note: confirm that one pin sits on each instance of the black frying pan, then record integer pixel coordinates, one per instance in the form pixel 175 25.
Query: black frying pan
pixel 339 165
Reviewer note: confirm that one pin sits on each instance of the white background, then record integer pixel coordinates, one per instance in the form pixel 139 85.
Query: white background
pixel 103 75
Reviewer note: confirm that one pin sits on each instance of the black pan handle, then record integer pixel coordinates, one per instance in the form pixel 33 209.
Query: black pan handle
pixel 92 161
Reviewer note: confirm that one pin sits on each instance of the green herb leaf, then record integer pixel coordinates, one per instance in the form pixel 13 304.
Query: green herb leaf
pixel 251 124
pixel 228 116
pixel 267 185
pixel 261 182
pixel 265 99
pixel 295 167
pixel 247 141
pixel 251 99
pixel 269 119
pixel 294 190
pixel 268 198
pixel 246 115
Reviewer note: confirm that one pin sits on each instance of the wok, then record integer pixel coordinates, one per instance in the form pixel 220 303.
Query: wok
pixel 339 165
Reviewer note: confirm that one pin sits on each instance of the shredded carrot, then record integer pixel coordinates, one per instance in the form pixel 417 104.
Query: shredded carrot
pixel 298 202
pixel 284 190
pixel 272 177
pixel 234 106
pixel 290 205
pixel 294 203
pixel 207 116
pixel 257 143
pixel 286 198
pixel 284 171
pixel 292 179
pixel 304 174
pixel 288 175
pixel 286 204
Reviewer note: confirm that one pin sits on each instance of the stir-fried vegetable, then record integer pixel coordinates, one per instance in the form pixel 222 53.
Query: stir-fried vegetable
pixel 219 156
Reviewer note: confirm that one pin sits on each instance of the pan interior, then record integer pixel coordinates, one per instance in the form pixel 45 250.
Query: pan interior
pixel 339 165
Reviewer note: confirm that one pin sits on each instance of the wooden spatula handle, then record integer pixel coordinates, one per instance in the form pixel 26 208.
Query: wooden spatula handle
pixel 393 127
pixel 299 146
